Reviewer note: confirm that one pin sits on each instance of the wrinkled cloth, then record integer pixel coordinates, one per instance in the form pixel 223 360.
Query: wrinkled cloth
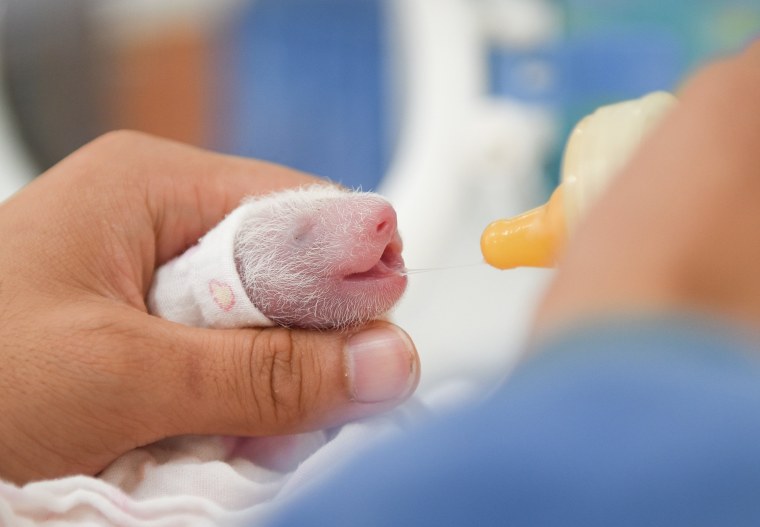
pixel 209 481
pixel 190 480
pixel 202 287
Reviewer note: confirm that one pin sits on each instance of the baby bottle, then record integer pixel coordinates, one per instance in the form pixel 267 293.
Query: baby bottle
pixel 598 147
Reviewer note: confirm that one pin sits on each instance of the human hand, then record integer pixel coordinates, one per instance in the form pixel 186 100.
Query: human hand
pixel 678 228
pixel 87 374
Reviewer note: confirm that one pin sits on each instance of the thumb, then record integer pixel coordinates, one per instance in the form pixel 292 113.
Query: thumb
pixel 278 380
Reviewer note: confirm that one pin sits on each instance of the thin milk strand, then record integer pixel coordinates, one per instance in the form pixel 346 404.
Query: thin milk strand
pixel 407 272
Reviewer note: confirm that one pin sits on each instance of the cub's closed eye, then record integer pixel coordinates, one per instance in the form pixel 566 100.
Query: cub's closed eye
pixel 303 231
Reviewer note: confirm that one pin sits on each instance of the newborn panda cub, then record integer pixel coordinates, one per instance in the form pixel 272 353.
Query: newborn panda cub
pixel 314 257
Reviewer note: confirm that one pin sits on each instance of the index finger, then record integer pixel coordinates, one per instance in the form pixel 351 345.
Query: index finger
pixel 188 190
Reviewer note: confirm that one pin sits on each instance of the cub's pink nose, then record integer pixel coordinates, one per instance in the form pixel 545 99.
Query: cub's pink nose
pixel 363 220
pixel 383 217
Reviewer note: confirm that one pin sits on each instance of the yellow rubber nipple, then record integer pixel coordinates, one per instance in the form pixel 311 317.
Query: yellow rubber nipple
pixel 531 239
pixel 598 147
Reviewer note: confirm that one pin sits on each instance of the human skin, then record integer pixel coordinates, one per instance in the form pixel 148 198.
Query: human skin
pixel 87 374
pixel 679 228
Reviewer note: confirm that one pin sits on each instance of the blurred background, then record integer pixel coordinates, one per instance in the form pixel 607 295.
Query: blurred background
pixel 456 110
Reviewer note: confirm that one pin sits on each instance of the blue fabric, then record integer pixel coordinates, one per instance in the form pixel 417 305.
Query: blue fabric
pixel 650 423
pixel 309 88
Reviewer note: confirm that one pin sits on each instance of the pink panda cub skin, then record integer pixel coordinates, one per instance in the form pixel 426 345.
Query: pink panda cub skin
pixel 321 257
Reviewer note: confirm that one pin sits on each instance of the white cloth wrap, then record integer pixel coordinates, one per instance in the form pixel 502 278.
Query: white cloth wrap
pixel 202 287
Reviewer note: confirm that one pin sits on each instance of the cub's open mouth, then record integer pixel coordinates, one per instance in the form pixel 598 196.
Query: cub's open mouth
pixel 389 263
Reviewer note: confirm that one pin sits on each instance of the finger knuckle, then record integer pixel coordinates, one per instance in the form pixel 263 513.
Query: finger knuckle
pixel 277 377
pixel 116 140
pixel 106 159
